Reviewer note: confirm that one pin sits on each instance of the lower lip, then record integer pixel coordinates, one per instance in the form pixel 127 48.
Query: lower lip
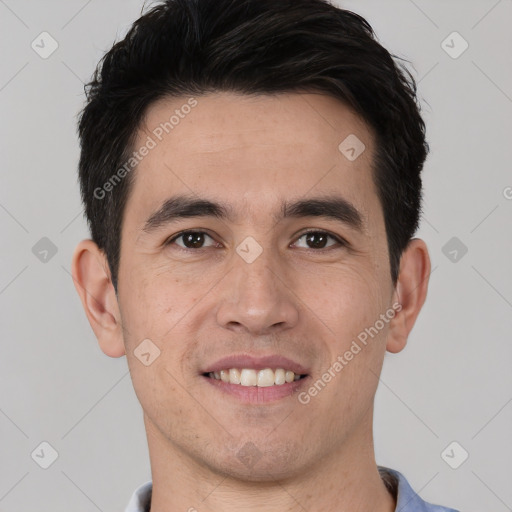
pixel 255 394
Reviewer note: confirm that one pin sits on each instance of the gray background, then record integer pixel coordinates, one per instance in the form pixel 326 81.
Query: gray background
pixel 453 382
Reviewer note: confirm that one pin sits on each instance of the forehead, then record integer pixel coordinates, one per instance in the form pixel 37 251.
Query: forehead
pixel 246 150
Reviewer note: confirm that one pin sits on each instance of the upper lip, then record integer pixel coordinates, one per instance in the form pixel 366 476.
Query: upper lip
pixel 257 363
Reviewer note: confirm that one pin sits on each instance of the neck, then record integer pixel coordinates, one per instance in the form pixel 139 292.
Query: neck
pixel 347 479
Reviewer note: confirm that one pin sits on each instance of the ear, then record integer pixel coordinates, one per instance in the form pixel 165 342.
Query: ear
pixel 410 292
pixel 92 281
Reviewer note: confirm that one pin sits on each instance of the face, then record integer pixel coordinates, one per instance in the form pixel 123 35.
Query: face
pixel 267 272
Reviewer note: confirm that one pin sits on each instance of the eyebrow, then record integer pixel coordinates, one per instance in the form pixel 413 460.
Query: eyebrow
pixel 184 206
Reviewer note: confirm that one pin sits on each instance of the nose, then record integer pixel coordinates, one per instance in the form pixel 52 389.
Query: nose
pixel 257 298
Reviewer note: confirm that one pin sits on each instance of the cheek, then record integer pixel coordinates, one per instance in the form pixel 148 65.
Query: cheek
pixel 163 309
pixel 346 298
pixel 155 299
pixel 159 309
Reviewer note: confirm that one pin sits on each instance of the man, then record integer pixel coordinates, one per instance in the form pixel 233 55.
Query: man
pixel 250 171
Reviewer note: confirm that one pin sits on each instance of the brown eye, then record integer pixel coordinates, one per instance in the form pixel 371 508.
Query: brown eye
pixel 191 239
pixel 319 239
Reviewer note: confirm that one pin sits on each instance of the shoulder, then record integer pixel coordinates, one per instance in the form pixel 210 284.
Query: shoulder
pixel 406 499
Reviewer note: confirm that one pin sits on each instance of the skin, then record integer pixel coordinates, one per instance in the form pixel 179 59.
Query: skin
pixel 303 302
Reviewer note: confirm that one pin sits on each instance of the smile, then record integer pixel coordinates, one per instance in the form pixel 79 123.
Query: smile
pixel 259 378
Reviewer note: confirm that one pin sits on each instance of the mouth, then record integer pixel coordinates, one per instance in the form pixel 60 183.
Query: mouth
pixel 256 380
pixel 250 377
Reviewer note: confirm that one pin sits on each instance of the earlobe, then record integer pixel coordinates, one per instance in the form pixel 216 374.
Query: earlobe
pixel 92 281
pixel 410 293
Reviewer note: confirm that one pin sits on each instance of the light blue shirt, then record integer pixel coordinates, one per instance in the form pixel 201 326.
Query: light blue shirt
pixel 406 499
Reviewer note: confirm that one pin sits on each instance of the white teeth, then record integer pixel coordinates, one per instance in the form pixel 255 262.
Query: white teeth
pixel 234 376
pixel 280 376
pixel 250 377
pixel 265 378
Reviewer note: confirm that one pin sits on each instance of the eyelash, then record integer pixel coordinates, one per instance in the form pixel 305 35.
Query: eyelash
pixel 339 240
